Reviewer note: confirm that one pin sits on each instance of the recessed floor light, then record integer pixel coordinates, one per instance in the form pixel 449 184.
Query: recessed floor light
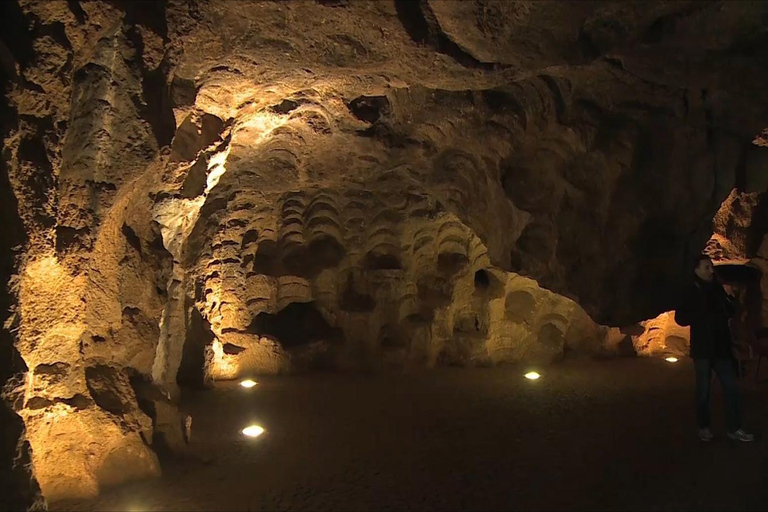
pixel 532 375
pixel 671 359
pixel 248 383
pixel 253 431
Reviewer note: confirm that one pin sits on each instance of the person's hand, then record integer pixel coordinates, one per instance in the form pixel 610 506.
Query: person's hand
pixel 729 290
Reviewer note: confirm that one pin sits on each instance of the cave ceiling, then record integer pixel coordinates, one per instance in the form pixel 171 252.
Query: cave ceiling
pixel 585 143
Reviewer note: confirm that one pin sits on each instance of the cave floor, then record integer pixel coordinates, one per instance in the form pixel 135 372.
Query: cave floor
pixel 588 435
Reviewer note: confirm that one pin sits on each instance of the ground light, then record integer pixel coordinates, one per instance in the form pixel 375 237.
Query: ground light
pixel 532 375
pixel 252 431
pixel 671 359
pixel 248 383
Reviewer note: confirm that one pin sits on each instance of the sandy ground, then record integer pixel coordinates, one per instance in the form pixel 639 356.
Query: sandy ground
pixel 589 435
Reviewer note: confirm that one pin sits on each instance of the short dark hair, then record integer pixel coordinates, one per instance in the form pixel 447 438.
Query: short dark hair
pixel 699 259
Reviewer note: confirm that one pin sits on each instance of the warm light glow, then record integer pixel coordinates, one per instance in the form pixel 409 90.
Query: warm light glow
pixel 260 124
pixel 671 359
pixel 532 375
pixel 223 366
pixel 216 168
pixel 253 431
pixel 248 383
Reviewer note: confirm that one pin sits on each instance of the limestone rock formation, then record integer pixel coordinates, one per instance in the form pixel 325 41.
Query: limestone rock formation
pixel 214 189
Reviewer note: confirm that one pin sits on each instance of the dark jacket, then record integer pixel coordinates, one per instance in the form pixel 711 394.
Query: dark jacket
pixel 707 309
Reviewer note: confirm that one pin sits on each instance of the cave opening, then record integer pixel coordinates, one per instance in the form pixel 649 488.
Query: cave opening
pixel 482 280
pixel 192 372
pixel 297 324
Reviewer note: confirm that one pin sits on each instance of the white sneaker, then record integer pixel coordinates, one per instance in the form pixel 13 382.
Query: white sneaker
pixel 706 435
pixel 740 435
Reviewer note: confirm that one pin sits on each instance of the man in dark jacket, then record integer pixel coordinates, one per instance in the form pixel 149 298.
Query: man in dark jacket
pixel 707 308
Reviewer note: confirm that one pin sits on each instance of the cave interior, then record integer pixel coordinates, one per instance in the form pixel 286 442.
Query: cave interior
pixel 197 193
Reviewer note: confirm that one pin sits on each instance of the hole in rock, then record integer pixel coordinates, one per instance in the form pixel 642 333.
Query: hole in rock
pixel 334 3
pixel 298 261
pixel 326 251
pixel 77 401
pixel 264 261
pixel 284 107
pixel 369 108
pixel 231 349
pixel 422 317
pixel 249 237
pixel 482 280
pixel 299 323
pixel 379 261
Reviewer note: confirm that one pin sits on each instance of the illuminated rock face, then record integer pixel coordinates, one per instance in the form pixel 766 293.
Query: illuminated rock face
pixel 213 190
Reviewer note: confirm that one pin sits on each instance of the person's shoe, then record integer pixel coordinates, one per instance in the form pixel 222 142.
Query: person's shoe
pixel 740 435
pixel 706 435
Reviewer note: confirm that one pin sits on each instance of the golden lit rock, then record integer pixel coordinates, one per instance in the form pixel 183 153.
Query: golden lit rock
pixel 242 188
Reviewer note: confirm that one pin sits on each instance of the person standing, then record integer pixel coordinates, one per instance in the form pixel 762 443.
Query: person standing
pixel 707 308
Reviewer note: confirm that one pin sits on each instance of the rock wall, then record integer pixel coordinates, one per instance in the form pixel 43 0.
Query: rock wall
pixel 377 277
pixel 18 486
pixel 89 288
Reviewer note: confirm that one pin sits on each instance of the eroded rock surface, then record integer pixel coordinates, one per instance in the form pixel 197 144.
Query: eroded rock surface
pixel 217 189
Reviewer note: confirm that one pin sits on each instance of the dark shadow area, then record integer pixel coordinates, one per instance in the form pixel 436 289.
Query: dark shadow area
pixel 410 15
pixel 265 260
pixel 759 226
pixel 369 108
pixel 487 285
pixel 354 301
pixel 326 252
pixel 380 261
pixel 15 35
pixel 482 280
pixel 18 488
pixel 299 323
pixel 102 383
pixel 199 336
pixel 307 261
pixel 169 428
pixel 423 28
pixel 157 107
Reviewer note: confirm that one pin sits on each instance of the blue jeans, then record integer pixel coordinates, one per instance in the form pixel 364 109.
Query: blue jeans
pixel 726 374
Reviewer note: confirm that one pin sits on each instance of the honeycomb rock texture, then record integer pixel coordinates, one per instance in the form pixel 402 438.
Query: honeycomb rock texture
pixel 210 190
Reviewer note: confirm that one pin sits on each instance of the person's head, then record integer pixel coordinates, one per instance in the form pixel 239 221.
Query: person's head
pixel 704 269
